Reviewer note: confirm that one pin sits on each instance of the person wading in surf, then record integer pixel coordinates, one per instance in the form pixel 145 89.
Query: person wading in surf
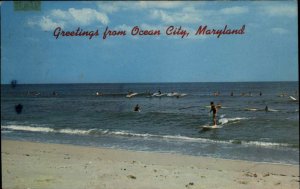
pixel 214 110
pixel 136 108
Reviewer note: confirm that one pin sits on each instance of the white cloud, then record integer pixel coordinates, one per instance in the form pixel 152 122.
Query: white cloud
pixel 190 15
pixel 110 6
pixel 279 30
pixel 72 16
pixel 185 16
pixel 45 23
pixel 57 13
pixel 280 10
pixel 86 16
pixel 161 4
pixel 234 10
pixel 123 27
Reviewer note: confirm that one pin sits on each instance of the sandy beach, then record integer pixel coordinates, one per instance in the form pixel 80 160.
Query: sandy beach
pixel 38 165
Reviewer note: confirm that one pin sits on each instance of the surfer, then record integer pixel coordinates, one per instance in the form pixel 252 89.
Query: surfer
pixel 266 109
pixel 136 108
pixel 214 110
pixel 19 108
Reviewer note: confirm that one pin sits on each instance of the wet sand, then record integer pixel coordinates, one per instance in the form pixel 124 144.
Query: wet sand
pixel 38 165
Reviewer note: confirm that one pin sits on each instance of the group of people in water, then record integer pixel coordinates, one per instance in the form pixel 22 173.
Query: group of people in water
pixel 213 108
pixel 232 94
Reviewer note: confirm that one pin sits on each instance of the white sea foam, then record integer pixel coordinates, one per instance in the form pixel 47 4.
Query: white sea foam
pixel 265 144
pixel 10 128
pixel 126 133
pixel 27 128
pixel 226 120
pixel 74 131
pixel 45 129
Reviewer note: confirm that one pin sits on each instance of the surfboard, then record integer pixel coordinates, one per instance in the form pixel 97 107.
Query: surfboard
pixel 251 109
pixel 173 94
pixel 158 95
pixel 219 107
pixel 131 95
pixel 293 98
pixel 212 127
pixel 272 110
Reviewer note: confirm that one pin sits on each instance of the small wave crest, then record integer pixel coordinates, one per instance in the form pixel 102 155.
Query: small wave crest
pixel 44 129
pixel 27 128
pixel 121 133
pixel 226 120
pixel 261 143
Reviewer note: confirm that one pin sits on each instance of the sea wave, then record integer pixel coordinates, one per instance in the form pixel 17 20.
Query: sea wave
pixel 226 120
pixel 44 129
pixel 27 128
pixel 122 133
pixel 261 143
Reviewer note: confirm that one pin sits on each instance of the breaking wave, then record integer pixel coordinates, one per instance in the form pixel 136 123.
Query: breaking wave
pixel 120 133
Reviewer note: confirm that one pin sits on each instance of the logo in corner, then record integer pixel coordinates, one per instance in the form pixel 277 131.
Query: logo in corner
pixel 27 5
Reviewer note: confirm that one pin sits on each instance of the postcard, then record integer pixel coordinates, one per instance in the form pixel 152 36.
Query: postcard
pixel 149 94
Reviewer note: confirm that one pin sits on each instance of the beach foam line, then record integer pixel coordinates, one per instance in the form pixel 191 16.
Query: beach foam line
pixel 224 120
pixel 27 128
pixel 44 129
pixel 261 143
pixel 121 133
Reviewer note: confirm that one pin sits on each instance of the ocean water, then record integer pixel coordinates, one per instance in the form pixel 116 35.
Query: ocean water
pixel 76 115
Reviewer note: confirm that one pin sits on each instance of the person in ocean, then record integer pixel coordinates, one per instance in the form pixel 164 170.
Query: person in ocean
pixel 19 108
pixel 214 110
pixel 266 109
pixel 136 108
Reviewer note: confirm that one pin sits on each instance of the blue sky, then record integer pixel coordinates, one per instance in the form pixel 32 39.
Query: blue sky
pixel 268 51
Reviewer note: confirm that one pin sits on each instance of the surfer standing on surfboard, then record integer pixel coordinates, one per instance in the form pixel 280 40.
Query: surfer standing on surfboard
pixel 137 108
pixel 214 110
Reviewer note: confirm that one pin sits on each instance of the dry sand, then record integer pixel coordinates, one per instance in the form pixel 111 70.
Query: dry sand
pixel 37 165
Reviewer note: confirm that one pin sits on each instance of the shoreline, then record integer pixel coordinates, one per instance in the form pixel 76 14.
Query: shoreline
pixel 44 165
pixel 154 152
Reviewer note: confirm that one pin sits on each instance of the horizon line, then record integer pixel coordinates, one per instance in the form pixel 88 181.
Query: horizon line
pixel 149 82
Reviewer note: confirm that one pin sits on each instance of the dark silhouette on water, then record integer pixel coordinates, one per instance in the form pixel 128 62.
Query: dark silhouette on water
pixel 19 108
pixel 266 109
pixel 13 83
pixel 137 108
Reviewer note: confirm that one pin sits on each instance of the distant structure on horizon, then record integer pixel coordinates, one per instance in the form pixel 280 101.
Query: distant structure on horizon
pixel 13 83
